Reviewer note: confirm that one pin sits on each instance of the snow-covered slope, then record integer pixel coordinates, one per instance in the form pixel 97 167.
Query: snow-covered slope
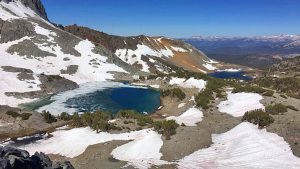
pixel 31 47
pixel 150 54
pixel 15 9
pixel 245 147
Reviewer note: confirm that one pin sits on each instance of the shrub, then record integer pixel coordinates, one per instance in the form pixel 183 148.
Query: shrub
pixel 142 119
pixel 24 116
pixel 76 120
pixel 87 119
pixel 166 128
pixel 175 92
pixel 276 109
pixel 100 121
pixel 65 116
pixel 13 114
pixel 203 98
pixel 97 121
pixel 248 88
pixel 49 118
pixel 258 117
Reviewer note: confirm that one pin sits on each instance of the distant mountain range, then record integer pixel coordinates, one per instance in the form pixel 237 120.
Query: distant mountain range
pixel 258 51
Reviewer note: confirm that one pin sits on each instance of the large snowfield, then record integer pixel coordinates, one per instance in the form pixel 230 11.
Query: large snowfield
pixel 237 104
pixel 91 67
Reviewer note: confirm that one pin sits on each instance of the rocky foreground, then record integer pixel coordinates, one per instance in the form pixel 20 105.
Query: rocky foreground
pixel 12 158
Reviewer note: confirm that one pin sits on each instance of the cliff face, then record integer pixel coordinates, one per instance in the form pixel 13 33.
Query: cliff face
pixel 35 5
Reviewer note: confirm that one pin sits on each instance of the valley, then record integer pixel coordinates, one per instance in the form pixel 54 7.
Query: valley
pixel 257 52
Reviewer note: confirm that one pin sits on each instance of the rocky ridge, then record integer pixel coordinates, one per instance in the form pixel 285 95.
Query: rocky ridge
pixel 149 53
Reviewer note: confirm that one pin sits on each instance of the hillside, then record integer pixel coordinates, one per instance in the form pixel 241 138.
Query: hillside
pixel 150 54
pixel 284 77
pixel 38 59
pixel 289 67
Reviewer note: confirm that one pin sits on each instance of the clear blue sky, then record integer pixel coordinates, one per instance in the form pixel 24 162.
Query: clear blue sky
pixel 180 18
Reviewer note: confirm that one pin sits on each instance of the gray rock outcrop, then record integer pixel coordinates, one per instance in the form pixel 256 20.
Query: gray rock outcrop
pixel 13 158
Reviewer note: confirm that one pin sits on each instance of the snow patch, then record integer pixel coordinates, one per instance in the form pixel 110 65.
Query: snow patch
pixel 178 49
pixel 143 152
pixel 209 66
pixel 181 105
pixel 230 70
pixel 190 118
pixel 190 83
pixel 237 104
pixel 45 32
pixel 155 86
pixel 135 56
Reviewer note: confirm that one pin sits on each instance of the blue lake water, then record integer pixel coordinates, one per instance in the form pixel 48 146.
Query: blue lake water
pixel 115 99
pixel 107 96
pixel 240 75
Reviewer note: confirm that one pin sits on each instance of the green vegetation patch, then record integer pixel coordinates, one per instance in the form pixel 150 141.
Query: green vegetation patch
pixel 24 116
pixel 258 117
pixel 276 109
pixel 251 88
pixel 48 117
pixel 142 119
pixel 167 128
pixel 97 121
pixel 174 92
pixel 289 85
pixel 204 97
pixel 65 116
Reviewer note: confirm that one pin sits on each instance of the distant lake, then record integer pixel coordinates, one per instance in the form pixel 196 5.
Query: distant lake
pixel 108 96
pixel 240 75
